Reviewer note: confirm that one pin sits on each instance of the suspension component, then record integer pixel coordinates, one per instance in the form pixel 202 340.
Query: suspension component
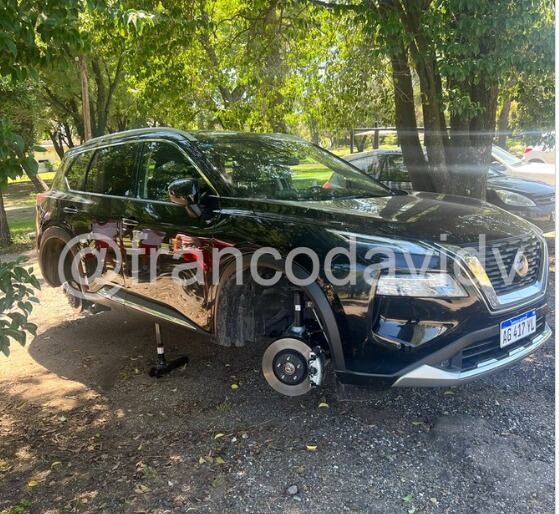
pixel 292 367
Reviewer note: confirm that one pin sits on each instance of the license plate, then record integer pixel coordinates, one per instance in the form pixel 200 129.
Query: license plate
pixel 517 328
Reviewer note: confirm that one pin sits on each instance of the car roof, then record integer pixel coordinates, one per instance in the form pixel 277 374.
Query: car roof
pixel 216 135
pixel 176 135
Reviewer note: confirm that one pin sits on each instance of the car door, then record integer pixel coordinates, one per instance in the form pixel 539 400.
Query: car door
pixel 161 240
pixel 76 208
pixel 110 181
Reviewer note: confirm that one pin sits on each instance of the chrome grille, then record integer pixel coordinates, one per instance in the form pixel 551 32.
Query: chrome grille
pixel 499 271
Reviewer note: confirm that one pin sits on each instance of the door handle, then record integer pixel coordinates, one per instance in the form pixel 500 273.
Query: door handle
pixel 129 222
pixel 70 210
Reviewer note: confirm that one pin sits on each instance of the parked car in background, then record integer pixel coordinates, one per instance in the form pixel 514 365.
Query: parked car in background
pixel 512 165
pixel 529 199
pixel 543 151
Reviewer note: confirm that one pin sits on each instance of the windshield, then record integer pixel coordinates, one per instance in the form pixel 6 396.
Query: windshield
pixel 505 157
pixel 285 169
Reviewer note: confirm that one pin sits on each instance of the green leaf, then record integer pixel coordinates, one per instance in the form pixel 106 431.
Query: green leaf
pixel 30 165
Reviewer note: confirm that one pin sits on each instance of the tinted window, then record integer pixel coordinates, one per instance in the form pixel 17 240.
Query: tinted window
pixel 163 163
pixel 282 168
pixel 112 170
pixel 75 176
pixel 394 170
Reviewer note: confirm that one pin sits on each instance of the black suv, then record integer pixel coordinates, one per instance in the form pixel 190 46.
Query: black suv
pixel 270 241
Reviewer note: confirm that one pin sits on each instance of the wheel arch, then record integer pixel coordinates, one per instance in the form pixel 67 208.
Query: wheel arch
pixel 313 291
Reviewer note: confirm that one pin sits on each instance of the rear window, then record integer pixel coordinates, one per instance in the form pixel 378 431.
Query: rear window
pixel 75 176
pixel 112 170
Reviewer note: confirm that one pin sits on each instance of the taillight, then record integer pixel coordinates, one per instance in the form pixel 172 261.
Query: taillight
pixel 41 198
pixel 528 150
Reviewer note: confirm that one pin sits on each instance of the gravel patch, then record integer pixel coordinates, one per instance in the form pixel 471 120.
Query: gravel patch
pixel 84 429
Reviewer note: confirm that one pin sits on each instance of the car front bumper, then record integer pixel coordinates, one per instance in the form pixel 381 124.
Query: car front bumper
pixel 459 359
pixel 427 375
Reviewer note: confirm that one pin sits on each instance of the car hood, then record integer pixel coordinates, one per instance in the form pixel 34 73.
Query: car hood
pixel 418 216
pixel 520 185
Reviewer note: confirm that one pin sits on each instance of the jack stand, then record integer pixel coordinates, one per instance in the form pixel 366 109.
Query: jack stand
pixel 162 367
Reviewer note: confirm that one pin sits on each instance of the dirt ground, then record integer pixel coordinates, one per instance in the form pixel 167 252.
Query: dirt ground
pixel 84 429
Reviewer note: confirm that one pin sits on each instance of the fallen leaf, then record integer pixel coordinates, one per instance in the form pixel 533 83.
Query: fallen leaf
pixel 55 465
pixel 449 391
pixel 219 460
pixel 408 498
pixel 312 447
pixel 218 481
pixel 141 489
pixel 32 483
pixel 217 436
pixel 234 387
pixel 323 405
pixel 201 460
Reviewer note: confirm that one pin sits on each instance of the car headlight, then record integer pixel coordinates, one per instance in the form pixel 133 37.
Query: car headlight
pixel 426 285
pixel 514 199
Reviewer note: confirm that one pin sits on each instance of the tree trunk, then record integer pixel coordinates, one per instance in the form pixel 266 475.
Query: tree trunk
pixel 406 123
pixel 435 135
pixel 38 183
pixel 86 112
pixel 5 238
pixel 471 141
pixel 315 136
pixel 360 143
pixel 503 123
pixel 57 143
pixel 68 135
pixel 375 140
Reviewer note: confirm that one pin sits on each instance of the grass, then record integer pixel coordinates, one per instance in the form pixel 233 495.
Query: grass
pixel 47 176
pixel 21 225
pixel 20 221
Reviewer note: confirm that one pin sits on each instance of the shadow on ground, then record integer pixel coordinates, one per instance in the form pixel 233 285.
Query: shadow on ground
pixel 84 429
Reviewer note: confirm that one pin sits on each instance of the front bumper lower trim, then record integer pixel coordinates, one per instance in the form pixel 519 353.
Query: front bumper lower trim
pixel 430 376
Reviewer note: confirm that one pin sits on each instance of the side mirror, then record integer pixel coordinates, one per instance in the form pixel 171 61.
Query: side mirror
pixel 186 192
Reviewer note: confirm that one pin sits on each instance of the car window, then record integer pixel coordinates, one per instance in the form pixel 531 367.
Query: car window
pixel 286 169
pixel 505 157
pixel 75 175
pixel 366 164
pixel 394 170
pixel 374 166
pixel 358 163
pixel 162 163
pixel 112 170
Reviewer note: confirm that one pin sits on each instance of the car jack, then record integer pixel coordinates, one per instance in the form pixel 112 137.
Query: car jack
pixel 162 367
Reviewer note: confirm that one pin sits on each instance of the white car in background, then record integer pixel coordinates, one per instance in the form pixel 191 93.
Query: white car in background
pixel 543 151
pixel 512 165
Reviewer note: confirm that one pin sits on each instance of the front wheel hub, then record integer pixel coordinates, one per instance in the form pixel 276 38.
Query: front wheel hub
pixel 289 366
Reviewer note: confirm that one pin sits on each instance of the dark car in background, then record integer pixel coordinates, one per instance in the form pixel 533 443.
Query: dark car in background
pixel 530 199
pixel 134 210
